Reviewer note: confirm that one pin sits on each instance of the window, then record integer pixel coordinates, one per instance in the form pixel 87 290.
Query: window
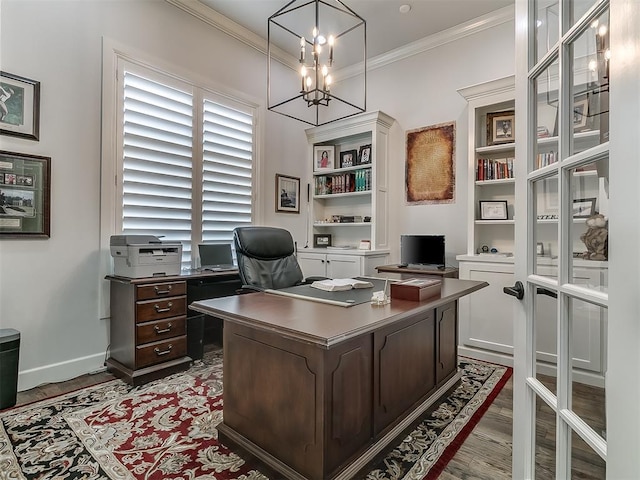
pixel 187 160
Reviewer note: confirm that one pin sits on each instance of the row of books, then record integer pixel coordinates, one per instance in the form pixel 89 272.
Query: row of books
pixel 494 168
pixel 544 159
pixel 356 181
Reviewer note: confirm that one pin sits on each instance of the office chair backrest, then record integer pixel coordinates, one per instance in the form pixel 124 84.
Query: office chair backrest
pixel 266 257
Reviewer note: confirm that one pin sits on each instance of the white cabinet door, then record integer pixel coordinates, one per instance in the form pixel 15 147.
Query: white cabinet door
pixel 486 319
pixel 313 264
pixel 486 316
pixel 344 266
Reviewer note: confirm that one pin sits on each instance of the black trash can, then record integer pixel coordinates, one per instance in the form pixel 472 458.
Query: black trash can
pixel 9 354
pixel 195 337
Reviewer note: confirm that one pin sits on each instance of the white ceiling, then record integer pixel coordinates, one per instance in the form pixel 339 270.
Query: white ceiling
pixel 387 28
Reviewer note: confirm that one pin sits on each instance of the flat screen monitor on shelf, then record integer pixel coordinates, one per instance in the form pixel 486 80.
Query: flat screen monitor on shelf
pixel 426 251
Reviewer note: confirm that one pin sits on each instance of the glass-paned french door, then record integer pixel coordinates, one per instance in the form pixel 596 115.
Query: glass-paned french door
pixel 562 241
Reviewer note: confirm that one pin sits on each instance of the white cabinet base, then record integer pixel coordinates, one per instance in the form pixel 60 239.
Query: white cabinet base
pixel 337 264
pixel 486 322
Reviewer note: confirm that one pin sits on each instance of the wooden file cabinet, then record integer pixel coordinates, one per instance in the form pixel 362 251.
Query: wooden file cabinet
pixel 148 328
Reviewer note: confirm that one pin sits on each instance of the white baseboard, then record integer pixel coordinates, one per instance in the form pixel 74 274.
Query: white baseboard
pixel 60 372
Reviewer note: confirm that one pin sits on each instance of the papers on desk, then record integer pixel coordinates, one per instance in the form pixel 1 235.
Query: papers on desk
pixel 339 284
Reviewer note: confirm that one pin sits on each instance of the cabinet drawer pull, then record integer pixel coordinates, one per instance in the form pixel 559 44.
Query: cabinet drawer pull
pixel 162 310
pixel 164 330
pixel 163 352
pixel 163 292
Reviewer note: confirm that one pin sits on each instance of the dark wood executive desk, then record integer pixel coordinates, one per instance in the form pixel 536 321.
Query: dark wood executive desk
pixel 315 391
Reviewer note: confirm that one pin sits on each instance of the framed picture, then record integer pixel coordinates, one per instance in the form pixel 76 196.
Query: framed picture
pixel 321 240
pixel 493 210
pixel 19 106
pixel 25 194
pixel 539 249
pixel 348 158
pixel 501 127
pixel 365 154
pixel 323 157
pixel 287 194
pixel 584 207
pixel 580 113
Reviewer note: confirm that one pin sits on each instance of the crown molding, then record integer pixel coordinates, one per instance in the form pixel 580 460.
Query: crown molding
pixel 237 31
pixel 485 89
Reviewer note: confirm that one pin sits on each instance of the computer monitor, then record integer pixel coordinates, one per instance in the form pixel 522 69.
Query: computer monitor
pixel 215 255
pixel 422 250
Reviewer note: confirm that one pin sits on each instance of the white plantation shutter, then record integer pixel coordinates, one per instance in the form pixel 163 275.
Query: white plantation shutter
pixel 162 158
pixel 157 165
pixel 226 170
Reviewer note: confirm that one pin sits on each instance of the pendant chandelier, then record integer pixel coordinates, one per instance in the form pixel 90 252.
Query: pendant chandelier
pixel 317 61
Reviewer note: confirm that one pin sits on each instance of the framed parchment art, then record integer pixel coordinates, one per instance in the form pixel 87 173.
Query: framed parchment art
pixel 430 167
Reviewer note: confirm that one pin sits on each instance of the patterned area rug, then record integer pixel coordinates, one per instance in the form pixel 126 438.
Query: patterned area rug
pixel 167 430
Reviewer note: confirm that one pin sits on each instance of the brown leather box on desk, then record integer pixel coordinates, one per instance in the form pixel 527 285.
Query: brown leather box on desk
pixel 416 289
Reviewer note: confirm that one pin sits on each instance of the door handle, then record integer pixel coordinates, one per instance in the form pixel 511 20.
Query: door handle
pixel 546 291
pixel 517 290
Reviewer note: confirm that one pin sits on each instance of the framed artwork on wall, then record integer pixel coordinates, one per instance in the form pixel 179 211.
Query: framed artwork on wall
pixel 25 193
pixel 287 194
pixel 430 164
pixel 19 106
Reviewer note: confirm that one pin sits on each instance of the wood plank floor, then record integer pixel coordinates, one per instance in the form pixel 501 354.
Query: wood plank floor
pixel 485 455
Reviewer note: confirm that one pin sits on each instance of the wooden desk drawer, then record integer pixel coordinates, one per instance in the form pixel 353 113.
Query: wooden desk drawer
pixel 158 352
pixel 158 309
pixel 161 290
pixel 160 330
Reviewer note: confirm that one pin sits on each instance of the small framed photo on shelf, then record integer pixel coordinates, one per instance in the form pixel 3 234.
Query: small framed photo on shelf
pixel 539 249
pixel 580 113
pixel 287 194
pixel 348 158
pixel 501 127
pixel 584 207
pixel 493 210
pixel 321 240
pixel 364 156
pixel 323 157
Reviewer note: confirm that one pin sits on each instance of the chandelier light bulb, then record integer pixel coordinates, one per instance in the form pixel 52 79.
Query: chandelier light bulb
pixel 592 65
pixel 607 54
pixel 325 70
pixel 602 31
pixel 328 80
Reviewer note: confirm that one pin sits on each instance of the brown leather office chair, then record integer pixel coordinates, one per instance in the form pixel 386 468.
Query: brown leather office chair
pixel 266 258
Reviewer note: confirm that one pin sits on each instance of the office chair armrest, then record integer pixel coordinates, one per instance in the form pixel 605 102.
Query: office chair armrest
pixel 309 280
pixel 248 289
